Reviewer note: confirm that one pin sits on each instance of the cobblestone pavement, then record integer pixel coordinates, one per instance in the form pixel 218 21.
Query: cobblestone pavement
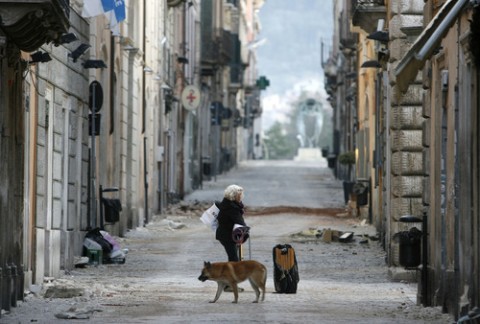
pixel 339 282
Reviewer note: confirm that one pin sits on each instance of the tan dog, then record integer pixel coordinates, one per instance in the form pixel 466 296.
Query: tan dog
pixel 232 273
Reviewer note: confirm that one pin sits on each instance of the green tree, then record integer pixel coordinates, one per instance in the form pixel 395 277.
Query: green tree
pixel 280 142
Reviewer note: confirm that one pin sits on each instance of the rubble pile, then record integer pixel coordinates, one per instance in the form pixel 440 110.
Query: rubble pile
pixel 328 235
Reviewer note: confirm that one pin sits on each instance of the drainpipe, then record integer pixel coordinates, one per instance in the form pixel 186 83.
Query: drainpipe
pixel 93 162
pixel 443 190
pixel 456 238
pixel 145 177
pixel 144 118
pixel 439 33
pixel 424 273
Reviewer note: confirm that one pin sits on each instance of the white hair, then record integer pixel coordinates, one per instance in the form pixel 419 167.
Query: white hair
pixel 232 192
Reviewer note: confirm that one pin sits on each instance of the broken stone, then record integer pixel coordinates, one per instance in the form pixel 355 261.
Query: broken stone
pixel 175 225
pixel 74 313
pixel 63 292
pixel 327 235
pixel 35 289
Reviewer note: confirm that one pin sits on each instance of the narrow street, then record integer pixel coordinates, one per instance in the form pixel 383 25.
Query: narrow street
pixel 287 202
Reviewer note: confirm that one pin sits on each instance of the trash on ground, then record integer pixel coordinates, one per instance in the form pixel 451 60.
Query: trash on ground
pixel 100 247
pixel 346 237
pixel 328 235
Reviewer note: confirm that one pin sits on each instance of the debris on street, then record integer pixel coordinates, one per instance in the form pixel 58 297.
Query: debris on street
pixel 340 281
pixel 328 235
pixel 74 313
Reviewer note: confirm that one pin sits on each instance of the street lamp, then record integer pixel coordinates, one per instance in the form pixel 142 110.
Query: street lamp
pixel 94 64
pixel 371 64
pixel 40 57
pixel 79 51
pixel 68 38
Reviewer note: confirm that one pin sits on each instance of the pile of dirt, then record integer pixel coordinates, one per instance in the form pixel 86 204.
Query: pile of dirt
pixel 196 208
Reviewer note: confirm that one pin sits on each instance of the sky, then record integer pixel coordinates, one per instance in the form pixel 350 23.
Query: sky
pixel 290 56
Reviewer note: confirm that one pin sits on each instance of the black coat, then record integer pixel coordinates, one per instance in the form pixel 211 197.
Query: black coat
pixel 231 213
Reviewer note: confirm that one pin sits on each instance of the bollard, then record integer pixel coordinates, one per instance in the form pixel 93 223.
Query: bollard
pixel 13 286
pixel 1 291
pixel 20 283
pixel 7 281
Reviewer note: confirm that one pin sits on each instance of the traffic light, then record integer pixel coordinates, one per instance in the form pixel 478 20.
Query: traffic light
pixel 216 108
pixel 262 83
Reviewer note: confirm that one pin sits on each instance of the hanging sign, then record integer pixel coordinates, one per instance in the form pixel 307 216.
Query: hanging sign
pixel 190 97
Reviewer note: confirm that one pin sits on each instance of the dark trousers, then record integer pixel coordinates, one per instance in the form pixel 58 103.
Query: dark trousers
pixel 232 250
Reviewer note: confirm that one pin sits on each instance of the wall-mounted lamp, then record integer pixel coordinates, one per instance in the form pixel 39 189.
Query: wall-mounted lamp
pixel 381 36
pixel 67 38
pixel 182 60
pixel 79 51
pixel 157 77
pixel 168 92
pixel 130 48
pixel 147 69
pixel 165 87
pixel 94 64
pixel 168 97
pixel 371 64
pixel 39 56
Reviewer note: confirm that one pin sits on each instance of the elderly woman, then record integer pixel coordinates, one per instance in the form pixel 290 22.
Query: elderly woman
pixel 231 213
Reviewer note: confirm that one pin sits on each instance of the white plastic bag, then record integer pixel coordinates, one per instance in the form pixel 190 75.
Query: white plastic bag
pixel 91 244
pixel 209 217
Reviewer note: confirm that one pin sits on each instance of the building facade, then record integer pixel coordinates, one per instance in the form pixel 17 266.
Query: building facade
pixel 415 130
pixel 92 109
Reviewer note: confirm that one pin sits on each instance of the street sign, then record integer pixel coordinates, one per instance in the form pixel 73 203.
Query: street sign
pixel 262 83
pixel 190 97
pixel 95 96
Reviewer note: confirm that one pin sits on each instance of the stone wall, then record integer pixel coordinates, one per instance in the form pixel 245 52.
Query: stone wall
pixel 406 124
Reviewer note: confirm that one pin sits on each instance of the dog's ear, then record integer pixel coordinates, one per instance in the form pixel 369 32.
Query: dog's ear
pixel 207 264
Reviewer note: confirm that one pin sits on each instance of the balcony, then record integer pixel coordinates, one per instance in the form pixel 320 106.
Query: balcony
pixel 31 23
pixel 366 13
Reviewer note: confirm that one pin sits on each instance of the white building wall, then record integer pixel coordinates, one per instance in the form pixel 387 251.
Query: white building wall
pixel 55 158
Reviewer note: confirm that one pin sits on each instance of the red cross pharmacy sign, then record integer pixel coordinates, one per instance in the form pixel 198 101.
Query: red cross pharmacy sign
pixel 190 97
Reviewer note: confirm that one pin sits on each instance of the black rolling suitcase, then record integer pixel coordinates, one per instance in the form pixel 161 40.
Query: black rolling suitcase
pixel 285 269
